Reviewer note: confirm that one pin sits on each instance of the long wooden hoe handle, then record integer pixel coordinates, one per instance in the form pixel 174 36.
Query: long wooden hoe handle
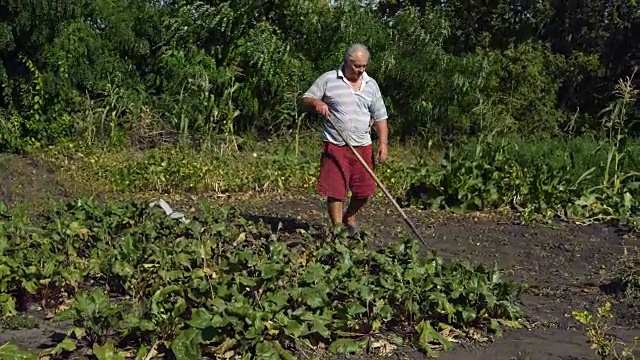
pixel 384 189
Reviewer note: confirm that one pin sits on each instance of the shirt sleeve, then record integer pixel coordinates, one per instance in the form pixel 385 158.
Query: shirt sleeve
pixel 378 109
pixel 317 89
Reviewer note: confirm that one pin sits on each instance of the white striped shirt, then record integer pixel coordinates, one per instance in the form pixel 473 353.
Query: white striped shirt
pixel 351 110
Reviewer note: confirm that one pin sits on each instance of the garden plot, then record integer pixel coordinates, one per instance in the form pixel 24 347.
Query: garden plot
pixel 265 278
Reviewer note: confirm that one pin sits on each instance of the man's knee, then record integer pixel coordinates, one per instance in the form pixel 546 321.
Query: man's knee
pixel 360 198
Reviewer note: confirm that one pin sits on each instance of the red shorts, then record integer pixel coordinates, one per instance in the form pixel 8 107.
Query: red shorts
pixel 340 170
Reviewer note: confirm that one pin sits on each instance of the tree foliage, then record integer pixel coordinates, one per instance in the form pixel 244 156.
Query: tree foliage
pixel 106 69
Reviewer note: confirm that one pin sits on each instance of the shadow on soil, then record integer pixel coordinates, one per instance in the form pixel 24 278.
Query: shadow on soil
pixel 278 223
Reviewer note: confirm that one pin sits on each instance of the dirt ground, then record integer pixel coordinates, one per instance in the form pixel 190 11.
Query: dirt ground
pixel 565 265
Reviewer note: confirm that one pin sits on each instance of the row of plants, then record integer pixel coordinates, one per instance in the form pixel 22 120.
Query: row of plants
pixel 134 282
pixel 581 181
pixel 183 170
pixel 586 178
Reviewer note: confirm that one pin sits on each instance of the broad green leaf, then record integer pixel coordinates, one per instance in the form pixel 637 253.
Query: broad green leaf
pixel 7 304
pixel 346 346
pixel 355 308
pixel 297 329
pixel 107 352
pixel 31 286
pixel 270 270
pixel 468 315
pixel 386 312
pixel 319 326
pixel 142 352
pixel 314 273
pixel 267 350
pixel 279 299
pixel 10 351
pixel 314 297
pixel 200 318
pixel 65 345
pixel 186 346
pixel 495 326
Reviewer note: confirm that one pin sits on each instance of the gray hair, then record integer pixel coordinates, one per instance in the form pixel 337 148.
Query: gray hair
pixel 356 48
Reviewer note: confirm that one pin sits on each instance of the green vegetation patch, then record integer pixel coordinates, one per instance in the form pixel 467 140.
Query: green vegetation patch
pixel 184 170
pixel 141 282
pixel 581 180
pixel 589 181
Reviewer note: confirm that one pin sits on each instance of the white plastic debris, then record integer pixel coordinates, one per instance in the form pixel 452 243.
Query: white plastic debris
pixel 167 209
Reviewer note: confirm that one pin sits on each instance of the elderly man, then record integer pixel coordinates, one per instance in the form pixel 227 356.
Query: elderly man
pixel 352 99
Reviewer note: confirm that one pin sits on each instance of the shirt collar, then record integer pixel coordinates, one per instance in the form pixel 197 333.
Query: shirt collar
pixel 365 76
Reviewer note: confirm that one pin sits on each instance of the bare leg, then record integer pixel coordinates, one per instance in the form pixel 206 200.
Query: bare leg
pixel 354 207
pixel 334 208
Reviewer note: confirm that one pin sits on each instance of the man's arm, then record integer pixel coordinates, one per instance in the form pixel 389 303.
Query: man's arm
pixel 379 115
pixel 312 98
pixel 382 130
pixel 309 103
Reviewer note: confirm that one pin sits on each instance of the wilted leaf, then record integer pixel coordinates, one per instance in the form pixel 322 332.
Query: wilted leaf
pixel 383 347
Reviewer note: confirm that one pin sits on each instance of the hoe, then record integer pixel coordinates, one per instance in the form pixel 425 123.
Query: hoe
pixel 384 189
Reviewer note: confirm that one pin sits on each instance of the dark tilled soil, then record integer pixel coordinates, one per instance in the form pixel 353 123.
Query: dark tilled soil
pixel 566 266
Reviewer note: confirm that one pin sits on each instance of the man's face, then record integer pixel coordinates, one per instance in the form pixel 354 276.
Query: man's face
pixel 356 66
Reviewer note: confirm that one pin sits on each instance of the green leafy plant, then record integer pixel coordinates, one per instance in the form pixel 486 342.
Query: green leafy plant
pixel 220 284
pixel 502 172
pixel 10 351
pixel 606 345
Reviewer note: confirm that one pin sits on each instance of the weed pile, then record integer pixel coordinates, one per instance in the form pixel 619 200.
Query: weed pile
pixel 135 282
